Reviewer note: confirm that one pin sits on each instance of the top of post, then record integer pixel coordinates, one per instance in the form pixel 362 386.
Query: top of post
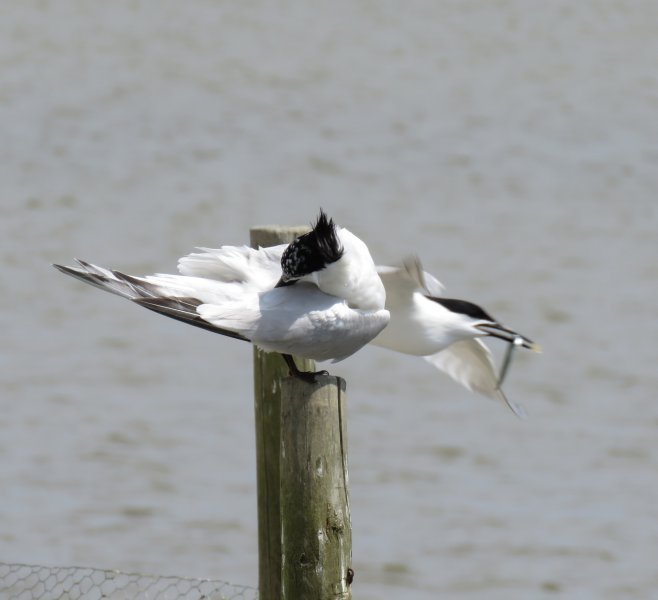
pixel 272 235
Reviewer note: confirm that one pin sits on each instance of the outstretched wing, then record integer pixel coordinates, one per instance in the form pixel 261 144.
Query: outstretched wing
pixel 470 363
pixel 402 282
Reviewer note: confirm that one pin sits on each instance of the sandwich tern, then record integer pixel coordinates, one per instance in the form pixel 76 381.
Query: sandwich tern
pixel 446 332
pixel 334 308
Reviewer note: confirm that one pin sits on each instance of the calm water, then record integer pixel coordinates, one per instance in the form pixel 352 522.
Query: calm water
pixel 513 145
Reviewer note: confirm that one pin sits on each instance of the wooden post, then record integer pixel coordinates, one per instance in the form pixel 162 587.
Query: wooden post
pixel 269 370
pixel 316 533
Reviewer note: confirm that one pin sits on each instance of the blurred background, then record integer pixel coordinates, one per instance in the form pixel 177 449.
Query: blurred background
pixel 513 145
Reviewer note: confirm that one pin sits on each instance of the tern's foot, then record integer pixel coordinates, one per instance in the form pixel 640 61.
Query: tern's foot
pixel 307 376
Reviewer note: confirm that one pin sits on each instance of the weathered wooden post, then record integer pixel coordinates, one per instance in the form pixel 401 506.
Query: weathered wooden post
pixel 316 533
pixel 312 445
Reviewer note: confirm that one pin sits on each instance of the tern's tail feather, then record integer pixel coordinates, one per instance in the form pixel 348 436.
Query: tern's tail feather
pixel 469 362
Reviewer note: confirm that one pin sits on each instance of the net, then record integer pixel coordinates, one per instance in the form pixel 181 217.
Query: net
pixel 35 582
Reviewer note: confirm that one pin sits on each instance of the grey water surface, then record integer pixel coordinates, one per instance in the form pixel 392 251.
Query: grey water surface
pixel 513 145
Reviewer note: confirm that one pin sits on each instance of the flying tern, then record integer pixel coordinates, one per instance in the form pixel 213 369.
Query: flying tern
pixel 445 331
pixel 334 308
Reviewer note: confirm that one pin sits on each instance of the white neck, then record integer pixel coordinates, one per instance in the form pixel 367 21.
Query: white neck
pixel 354 276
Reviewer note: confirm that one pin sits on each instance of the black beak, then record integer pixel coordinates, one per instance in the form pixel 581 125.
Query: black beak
pixel 284 282
pixel 502 333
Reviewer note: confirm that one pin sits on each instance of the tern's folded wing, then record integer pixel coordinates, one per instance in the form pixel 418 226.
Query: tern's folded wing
pixel 299 320
pixel 258 269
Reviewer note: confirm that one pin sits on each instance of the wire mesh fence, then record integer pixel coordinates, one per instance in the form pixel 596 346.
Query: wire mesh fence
pixel 35 582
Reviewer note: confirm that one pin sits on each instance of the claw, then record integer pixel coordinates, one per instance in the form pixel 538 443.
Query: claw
pixel 307 376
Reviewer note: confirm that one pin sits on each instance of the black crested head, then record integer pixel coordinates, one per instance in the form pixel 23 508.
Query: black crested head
pixel 465 308
pixel 312 251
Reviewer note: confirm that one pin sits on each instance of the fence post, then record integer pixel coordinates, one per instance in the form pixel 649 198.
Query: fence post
pixel 304 528
pixel 269 370
pixel 316 532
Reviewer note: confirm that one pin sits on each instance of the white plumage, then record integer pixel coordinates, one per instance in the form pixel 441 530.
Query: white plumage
pixel 422 326
pixel 322 298
pixel 334 308
pixel 419 324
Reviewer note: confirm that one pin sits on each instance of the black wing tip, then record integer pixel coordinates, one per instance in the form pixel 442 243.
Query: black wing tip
pixel 183 308
pixel 131 279
pixel 87 268
pixel 73 271
pixel 180 305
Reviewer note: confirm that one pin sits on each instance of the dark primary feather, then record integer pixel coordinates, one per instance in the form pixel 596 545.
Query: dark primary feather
pixel 145 294
pixel 463 307
pixel 98 279
pixel 73 272
pixel 312 251
pixel 184 309
pixel 139 286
